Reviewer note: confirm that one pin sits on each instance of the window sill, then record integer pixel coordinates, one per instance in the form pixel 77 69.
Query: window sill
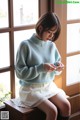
pixel 2 106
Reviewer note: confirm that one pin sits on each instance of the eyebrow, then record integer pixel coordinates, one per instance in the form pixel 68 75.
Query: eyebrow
pixel 53 30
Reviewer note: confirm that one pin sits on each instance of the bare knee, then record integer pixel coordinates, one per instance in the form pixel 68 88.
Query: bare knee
pixel 49 109
pixel 52 114
pixel 66 109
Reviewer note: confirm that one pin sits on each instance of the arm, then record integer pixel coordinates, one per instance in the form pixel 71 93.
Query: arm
pixel 59 65
pixel 22 70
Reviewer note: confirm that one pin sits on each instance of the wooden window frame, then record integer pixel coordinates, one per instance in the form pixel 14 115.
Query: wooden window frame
pixel 61 10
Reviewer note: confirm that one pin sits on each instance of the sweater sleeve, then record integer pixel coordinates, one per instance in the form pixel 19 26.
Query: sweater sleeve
pixel 57 55
pixel 57 59
pixel 22 70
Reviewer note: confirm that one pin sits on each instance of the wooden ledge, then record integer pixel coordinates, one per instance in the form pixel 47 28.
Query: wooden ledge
pixel 20 109
pixel 19 113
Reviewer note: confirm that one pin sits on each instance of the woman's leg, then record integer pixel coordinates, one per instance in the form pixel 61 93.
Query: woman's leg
pixel 49 109
pixel 63 105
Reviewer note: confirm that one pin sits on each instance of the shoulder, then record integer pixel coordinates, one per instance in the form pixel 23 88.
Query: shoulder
pixel 51 44
pixel 24 43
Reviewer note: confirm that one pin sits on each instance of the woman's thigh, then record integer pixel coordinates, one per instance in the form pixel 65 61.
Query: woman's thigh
pixel 62 104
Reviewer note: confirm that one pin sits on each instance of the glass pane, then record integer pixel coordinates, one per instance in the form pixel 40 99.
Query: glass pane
pixel 3 13
pixel 73 69
pixel 73 37
pixel 4 50
pixel 73 11
pixel 25 12
pixel 4 85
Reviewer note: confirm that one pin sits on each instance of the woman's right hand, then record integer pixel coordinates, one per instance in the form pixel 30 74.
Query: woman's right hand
pixel 49 67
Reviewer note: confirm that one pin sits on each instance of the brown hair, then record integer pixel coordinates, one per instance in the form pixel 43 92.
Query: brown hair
pixel 47 21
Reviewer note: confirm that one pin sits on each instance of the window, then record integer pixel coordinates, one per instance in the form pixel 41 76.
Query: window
pixel 25 13
pixel 70 40
pixel 4 14
pixel 4 46
pixel 73 70
pixel 73 42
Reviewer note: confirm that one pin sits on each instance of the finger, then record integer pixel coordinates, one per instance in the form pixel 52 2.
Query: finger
pixel 53 66
pixel 52 69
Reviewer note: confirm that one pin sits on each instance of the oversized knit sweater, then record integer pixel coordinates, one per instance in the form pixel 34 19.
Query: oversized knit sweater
pixel 30 59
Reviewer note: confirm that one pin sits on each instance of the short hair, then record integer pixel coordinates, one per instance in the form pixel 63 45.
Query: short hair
pixel 47 21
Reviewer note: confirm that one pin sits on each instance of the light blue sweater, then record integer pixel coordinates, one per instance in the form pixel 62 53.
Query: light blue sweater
pixel 30 58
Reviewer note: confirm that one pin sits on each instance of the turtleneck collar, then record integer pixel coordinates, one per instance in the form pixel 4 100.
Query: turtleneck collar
pixel 35 39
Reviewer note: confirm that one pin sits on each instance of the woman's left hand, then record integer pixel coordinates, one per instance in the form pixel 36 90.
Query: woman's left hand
pixel 60 66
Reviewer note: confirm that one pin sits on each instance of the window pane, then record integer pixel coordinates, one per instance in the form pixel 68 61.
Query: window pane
pixel 73 11
pixel 3 13
pixel 25 12
pixel 4 84
pixel 4 50
pixel 73 37
pixel 73 69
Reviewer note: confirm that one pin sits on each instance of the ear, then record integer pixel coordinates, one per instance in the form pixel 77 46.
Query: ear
pixel 40 29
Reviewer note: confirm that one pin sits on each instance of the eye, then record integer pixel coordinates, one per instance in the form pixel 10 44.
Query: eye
pixel 49 31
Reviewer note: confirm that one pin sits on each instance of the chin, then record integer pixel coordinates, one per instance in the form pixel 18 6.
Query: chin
pixel 46 40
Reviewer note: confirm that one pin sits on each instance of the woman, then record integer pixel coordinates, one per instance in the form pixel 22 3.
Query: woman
pixel 37 62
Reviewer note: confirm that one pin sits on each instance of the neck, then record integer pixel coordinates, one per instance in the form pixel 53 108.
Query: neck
pixel 38 36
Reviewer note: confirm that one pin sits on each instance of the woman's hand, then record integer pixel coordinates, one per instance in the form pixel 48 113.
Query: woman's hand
pixel 49 67
pixel 60 66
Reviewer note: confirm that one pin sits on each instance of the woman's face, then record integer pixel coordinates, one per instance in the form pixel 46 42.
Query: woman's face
pixel 47 35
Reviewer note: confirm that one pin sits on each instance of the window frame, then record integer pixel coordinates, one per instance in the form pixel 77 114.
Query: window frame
pixel 61 10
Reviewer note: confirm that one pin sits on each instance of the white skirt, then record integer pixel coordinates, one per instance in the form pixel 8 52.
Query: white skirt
pixel 32 95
